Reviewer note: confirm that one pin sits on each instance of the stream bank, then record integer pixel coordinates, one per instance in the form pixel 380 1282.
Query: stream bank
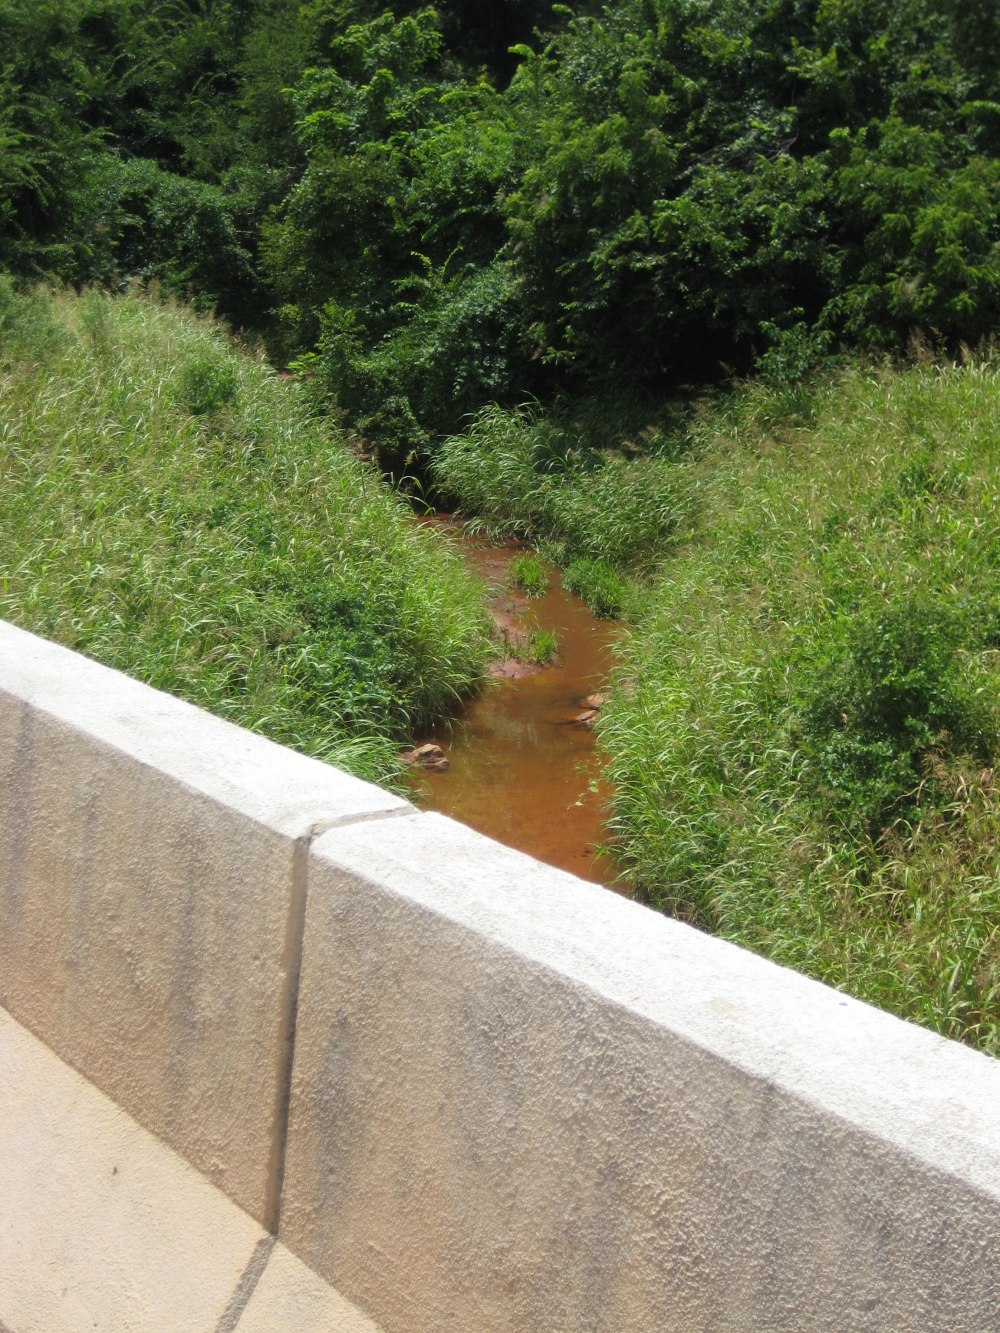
pixel 520 767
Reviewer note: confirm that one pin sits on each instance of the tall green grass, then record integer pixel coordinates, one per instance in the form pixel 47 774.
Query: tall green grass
pixel 804 732
pixel 172 508
pixel 605 513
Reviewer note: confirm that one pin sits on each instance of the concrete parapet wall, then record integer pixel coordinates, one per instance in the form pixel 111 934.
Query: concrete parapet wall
pixel 152 880
pixel 522 1104
pixel 519 1103
pixel 104 1227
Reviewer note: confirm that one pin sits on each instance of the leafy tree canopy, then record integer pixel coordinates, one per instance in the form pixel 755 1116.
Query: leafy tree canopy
pixel 436 208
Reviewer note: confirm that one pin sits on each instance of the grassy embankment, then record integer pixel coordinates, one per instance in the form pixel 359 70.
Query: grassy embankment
pixel 173 509
pixel 804 729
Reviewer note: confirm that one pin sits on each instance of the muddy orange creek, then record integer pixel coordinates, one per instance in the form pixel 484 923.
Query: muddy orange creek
pixel 520 767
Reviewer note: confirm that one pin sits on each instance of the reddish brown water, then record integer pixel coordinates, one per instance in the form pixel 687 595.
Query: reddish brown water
pixel 521 770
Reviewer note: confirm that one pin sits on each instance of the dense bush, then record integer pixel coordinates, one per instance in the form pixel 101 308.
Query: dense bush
pixel 172 508
pixel 663 189
pixel 642 194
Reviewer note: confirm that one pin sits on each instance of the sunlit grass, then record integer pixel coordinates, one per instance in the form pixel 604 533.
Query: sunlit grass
pixel 610 512
pixel 528 573
pixel 544 646
pixel 172 508
pixel 805 723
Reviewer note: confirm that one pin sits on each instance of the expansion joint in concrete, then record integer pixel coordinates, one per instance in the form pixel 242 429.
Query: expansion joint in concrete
pixel 247 1285
pixel 291 969
pixel 363 817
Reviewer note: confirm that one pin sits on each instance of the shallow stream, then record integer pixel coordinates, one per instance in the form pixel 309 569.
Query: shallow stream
pixel 520 768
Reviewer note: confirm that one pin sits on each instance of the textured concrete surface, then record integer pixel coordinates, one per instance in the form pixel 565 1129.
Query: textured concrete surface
pixel 523 1104
pixel 104 1227
pixel 101 1226
pixel 152 881
pixel 290 1298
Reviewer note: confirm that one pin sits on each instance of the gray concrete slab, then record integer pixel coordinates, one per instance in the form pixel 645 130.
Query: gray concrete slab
pixel 291 1298
pixel 103 1227
pixel 522 1103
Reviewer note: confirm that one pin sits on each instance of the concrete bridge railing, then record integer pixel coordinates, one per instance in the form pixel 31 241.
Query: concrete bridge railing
pixel 470 1091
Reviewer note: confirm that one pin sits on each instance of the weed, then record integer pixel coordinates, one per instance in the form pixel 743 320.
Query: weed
pixel 207 383
pixel 544 646
pixel 598 584
pixel 528 573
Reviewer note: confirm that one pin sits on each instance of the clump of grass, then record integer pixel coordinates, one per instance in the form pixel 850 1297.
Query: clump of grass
pixel 170 507
pixel 208 383
pixel 544 646
pixel 599 585
pixel 528 573
pixel 806 725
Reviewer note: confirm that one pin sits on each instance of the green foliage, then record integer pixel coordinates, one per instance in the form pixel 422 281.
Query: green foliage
pixel 177 232
pixel 544 646
pixel 384 253
pixel 663 191
pixel 660 192
pixel 207 383
pixel 931 231
pixel 528 573
pixel 599 585
pixel 881 690
pixel 170 507
pixel 47 150
pixel 687 198
pixel 599 513
pixel 805 728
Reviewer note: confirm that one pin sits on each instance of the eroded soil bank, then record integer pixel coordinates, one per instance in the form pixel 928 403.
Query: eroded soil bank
pixel 521 769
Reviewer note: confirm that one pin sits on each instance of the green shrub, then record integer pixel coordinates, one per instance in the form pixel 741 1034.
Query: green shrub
pixel 208 383
pixel 180 233
pixel 638 195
